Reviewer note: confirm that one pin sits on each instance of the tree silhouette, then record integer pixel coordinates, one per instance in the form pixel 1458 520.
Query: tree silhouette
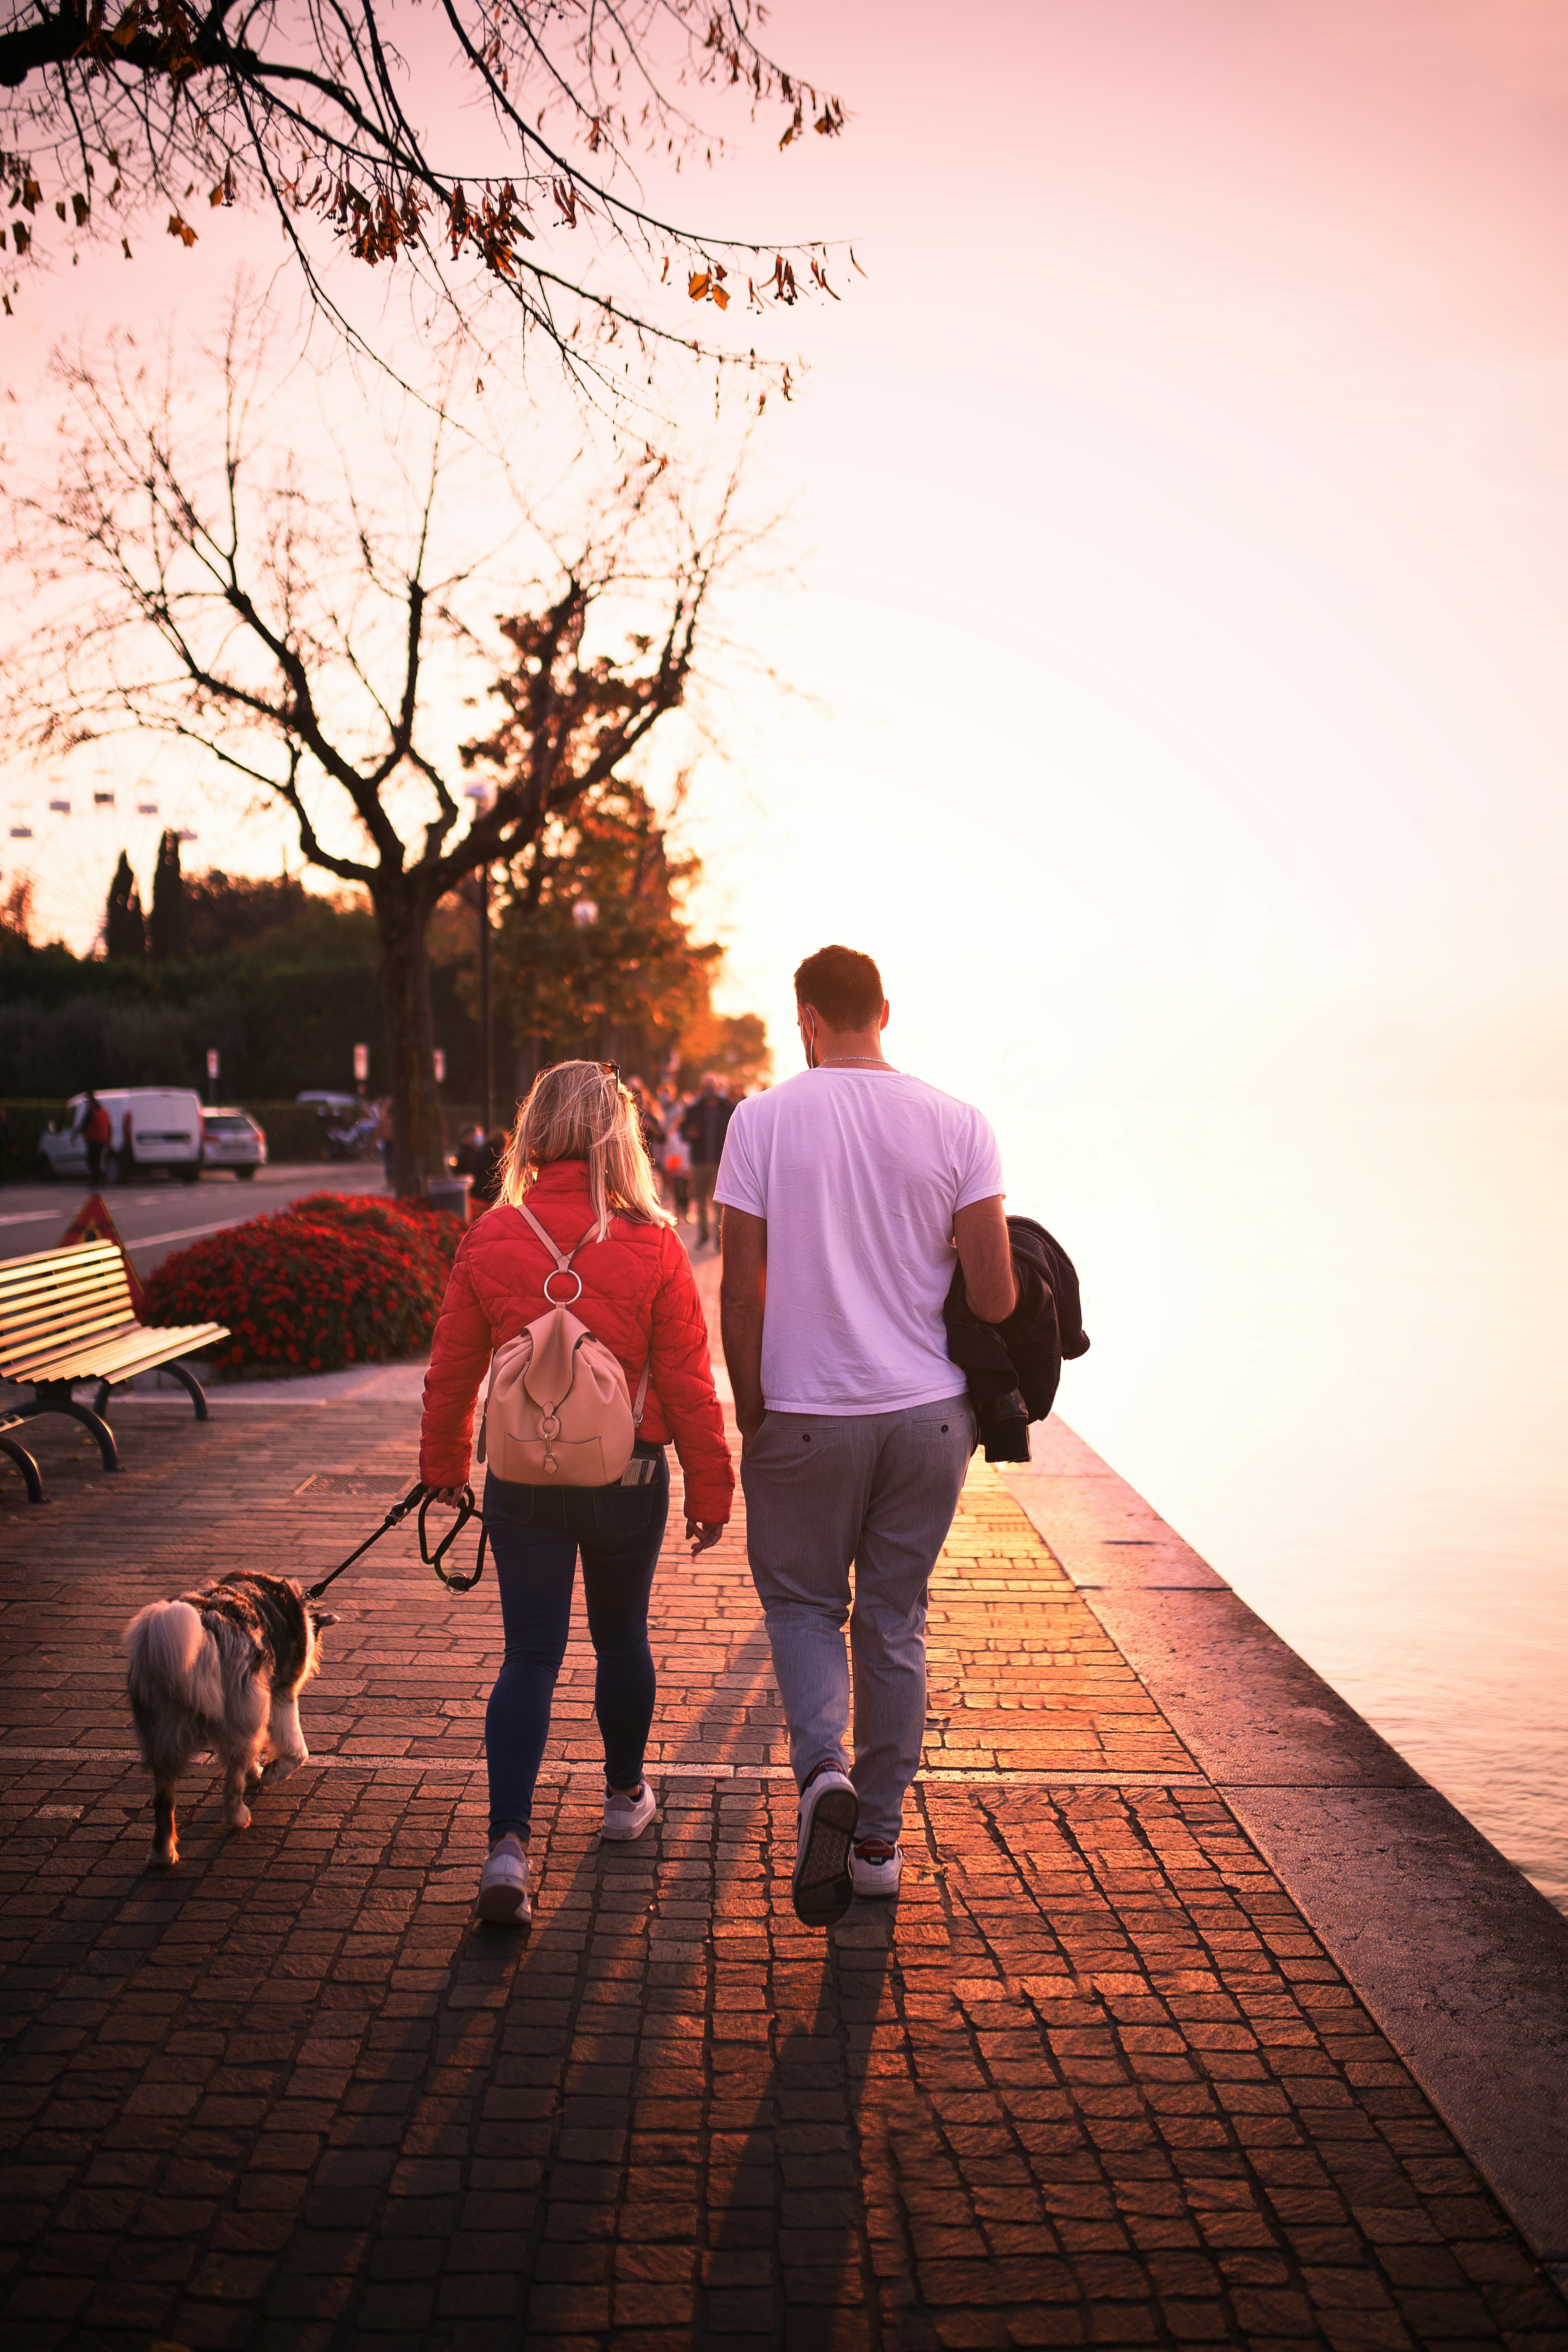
pixel 166 928
pixel 125 933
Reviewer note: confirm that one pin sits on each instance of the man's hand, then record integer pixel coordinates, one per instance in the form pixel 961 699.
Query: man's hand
pixel 703 1534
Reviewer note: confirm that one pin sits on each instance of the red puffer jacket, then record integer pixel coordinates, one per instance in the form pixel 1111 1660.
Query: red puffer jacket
pixel 639 1297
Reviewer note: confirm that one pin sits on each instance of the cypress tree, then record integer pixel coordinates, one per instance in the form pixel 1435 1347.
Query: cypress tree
pixel 125 933
pixel 166 926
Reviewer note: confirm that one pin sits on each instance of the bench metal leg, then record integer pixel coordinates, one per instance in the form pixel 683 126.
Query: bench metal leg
pixel 192 1387
pixel 27 1465
pixel 100 1402
pixel 61 1400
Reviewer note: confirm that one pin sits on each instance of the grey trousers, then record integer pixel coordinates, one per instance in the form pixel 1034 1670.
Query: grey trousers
pixel 875 1492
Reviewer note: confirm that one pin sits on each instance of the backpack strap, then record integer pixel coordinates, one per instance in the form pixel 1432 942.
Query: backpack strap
pixel 564 1266
pixel 563 1257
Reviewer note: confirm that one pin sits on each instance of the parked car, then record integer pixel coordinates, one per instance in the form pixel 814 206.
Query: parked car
pixel 231 1138
pixel 150 1127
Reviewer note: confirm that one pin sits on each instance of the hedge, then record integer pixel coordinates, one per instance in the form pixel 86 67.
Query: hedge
pixel 334 1279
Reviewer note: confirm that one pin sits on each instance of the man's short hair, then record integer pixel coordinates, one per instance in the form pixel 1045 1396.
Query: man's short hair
pixel 841 984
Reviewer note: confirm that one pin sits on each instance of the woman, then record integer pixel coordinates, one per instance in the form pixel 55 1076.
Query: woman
pixel 576 1157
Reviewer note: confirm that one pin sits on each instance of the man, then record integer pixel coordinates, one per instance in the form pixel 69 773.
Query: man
pixel 97 1127
pixel 846 1191
pixel 703 1131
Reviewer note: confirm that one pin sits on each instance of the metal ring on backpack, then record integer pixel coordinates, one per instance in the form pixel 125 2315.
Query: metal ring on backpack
pixel 550 1277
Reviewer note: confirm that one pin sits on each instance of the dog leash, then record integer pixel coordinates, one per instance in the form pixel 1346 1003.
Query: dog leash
pixel 422 1497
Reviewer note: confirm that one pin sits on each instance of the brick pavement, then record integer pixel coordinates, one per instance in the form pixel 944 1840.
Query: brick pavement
pixel 1092 2080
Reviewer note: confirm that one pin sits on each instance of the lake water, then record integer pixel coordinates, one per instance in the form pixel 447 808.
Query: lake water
pixel 1332 1348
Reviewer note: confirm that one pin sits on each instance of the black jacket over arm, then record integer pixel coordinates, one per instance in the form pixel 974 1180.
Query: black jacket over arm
pixel 1012 1367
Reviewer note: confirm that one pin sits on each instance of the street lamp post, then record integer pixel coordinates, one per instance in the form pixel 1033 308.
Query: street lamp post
pixel 482 796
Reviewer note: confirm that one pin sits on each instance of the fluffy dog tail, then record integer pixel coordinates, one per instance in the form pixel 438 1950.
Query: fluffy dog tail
pixel 174 1663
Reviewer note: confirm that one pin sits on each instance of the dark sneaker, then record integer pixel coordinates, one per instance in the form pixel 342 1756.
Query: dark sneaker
pixel 820 1889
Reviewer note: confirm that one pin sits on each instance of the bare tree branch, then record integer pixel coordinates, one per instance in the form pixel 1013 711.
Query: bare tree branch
pixel 302 109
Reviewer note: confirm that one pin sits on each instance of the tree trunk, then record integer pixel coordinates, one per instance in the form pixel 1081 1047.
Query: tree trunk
pixel 418 1144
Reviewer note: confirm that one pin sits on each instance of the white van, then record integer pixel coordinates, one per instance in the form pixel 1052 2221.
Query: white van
pixel 150 1127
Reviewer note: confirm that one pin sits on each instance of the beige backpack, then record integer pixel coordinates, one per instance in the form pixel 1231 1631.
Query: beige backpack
pixel 559 1412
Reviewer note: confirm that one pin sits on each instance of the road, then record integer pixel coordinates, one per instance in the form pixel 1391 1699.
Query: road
pixel 160 1215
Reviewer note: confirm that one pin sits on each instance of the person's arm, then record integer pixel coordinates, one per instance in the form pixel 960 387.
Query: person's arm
pixel 683 1383
pixel 741 1297
pixel 985 1253
pixel 459 1353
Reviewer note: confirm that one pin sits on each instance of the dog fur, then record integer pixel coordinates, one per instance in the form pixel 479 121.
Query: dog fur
pixel 222 1668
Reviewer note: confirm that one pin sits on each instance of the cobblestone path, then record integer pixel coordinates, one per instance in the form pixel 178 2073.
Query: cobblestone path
pixel 1091 2080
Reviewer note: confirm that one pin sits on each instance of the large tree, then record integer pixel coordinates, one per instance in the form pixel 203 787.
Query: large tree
pixel 319 655
pixel 118 116
pixel 593 953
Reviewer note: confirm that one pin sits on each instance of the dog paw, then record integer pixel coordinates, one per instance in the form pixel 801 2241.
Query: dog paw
pixel 162 1858
pixel 237 1817
pixel 279 1767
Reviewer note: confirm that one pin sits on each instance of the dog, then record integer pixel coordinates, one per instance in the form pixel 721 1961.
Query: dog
pixel 222 1668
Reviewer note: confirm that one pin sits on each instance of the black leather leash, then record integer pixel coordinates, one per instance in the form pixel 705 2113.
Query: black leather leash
pixel 420 1497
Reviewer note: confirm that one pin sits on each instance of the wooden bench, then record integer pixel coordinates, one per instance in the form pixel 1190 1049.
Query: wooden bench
pixel 66 1317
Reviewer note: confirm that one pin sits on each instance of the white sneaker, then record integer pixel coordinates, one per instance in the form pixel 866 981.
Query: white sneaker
pixel 820 1888
pixel 876 1867
pixel 627 1817
pixel 503 1886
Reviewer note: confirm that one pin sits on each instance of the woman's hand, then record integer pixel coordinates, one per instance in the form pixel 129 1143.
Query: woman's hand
pixel 703 1534
pixel 446 1498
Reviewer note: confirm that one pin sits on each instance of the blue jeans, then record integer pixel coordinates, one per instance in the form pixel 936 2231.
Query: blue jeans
pixel 535 1535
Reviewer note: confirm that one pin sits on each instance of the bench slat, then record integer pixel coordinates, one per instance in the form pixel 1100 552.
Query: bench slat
pixel 79 1254
pixel 38 1365
pixel 49 1339
pixel 18 1314
pixel 45 1314
pixel 161 1349
pixel 105 1348
pixel 22 1298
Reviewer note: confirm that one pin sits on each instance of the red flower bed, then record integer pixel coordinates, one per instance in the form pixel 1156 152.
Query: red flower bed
pixel 335 1280
pixel 434 1233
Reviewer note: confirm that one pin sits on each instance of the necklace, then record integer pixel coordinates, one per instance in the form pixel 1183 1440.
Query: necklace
pixel 841 1061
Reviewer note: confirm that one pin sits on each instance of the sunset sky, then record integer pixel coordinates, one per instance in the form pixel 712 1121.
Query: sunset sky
pixel 1179 511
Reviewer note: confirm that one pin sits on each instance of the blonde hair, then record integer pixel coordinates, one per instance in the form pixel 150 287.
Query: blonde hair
pixel 579 1110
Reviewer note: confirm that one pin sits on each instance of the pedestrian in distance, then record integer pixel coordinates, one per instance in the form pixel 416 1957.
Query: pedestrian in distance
pixel 97 1127
pixel 703 1131
pixel 576 1184
pixel 846 1192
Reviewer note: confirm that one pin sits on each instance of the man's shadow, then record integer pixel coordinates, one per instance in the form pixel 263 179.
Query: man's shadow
pixel 790 2214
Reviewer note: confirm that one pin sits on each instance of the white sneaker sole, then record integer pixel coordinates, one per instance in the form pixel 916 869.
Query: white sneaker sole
pixel 621 1828
pixel 505 1902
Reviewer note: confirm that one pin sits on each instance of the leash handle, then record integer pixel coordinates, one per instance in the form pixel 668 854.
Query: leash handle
pixel 466 1510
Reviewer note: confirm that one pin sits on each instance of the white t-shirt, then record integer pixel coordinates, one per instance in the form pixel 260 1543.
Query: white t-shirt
pixel 859 1174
